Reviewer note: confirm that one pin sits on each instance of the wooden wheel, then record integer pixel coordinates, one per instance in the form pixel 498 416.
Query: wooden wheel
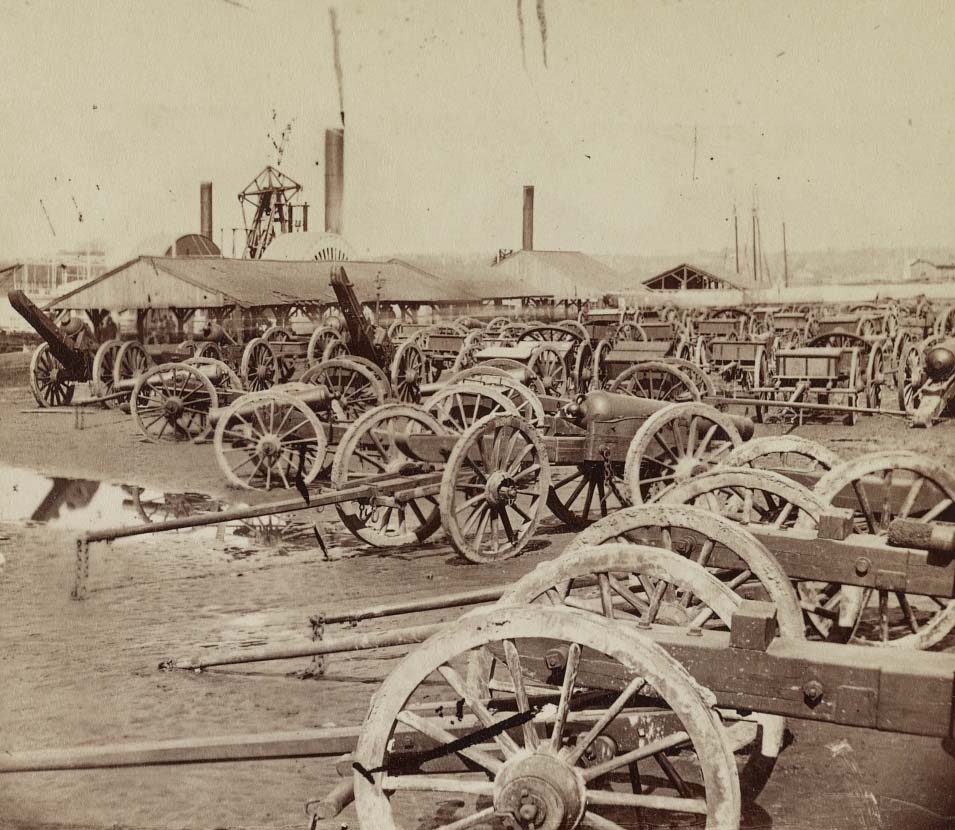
pixel 372 446
pixel 908 381
pixel 171 402
pixel 459 405
pixel 649 584
pixel 286 363
pixel 495 325
pixel 49 379
pixel 571 496
pixel 206 348
pixel 318 341
pixel 696 373
pixel 515 369
pixel 269 439
pixel 131 360
pixel 551 774
pixel 473 342
pixel 656 380
pixel 409 369
pixel 553 334
pixel 726 549
pixel 103 363
pixel 783 453
pixel 335 348
pixel 601 350
pixel 878 488
pixel 226 382
pixel 259 367
pixel 628 330
pixel 525 399
pixel 551 367
pixel 675 444
pixel 494 488
pixel 354 388
pixel 583 378
pixel 874 376
pixel 750 497
pixel 764 378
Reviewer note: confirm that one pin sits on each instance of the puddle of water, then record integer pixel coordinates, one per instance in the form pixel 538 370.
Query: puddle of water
pixel 81 504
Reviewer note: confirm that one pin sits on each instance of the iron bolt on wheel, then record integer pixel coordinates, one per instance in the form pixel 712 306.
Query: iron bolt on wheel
pixel 171 402
pixel 376 445
pixel 545 774
pixel 494 488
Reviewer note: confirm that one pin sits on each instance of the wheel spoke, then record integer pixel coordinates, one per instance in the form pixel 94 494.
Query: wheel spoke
pixel 575 753
pixel 480 711
pixel 437 784
pixel 431 729
pixel 514 668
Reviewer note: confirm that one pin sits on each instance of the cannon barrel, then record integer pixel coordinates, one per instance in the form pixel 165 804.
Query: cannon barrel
pixel 913 533
pixel 601 405
pixel 213 373
pixel 315 396
pixel 73 360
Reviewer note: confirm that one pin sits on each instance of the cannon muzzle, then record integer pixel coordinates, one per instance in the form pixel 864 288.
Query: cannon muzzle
pixel 601 405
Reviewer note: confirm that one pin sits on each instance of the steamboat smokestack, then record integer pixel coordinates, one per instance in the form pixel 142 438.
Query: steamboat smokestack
pixel 334 179
pixel 205 209
pixel 528 243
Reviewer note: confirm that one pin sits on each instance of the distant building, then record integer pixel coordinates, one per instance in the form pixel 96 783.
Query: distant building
pixel 44 279
pixel 560 274
pixel 685 277
pixel 922 269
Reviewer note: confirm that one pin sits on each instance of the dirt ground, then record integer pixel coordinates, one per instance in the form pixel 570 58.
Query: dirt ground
pixel 85 672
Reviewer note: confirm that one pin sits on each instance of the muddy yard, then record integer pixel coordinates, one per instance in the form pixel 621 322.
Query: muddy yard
pixel 86 672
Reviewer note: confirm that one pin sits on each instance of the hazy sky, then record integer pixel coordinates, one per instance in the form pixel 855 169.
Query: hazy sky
pixel 843 114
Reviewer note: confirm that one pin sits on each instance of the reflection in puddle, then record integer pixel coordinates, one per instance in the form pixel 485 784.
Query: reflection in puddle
pixel 80 504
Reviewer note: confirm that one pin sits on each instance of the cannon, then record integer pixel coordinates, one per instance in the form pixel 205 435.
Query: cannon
pixel 926 379
pixel 58 363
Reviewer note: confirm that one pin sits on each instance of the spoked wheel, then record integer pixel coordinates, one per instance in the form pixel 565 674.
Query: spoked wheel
pixel 553 334
pixel 131 360
pixel 764 377
pixel 171 402
pixel 784 454
pixel 473 342
pixel 560 769
pixel 409 370
pixel 318 341
pixel 750 497
pixel 269 439
pixel 494 488
pixel 656 380
pixel 528 404
pixel 697 374
pixel 649 584
pixel 629 330
pixel 48 379
pixel 227 383
pixel 277 335
pixel 335 348
pixel 908 381
pixel 725 549
pixel 878 488
pixel 584 492
pixel 675 444
pixel 103 363
pixel 583 378
pixel 374 446
pixel 353 387
pixel 551 367
pixel 207 348
pixel 259 367
pixel 459 405
pixel 874 377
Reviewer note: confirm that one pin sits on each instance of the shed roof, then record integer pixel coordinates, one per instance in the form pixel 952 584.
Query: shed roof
pixel 558 274
pixel 690 277
pixel 184 282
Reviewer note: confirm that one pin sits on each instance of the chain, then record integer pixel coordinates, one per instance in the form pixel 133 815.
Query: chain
pixel 607 466
pixel 82 567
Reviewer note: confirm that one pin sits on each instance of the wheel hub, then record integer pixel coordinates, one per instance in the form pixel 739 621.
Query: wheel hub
pixel 500 489
pixel 688 467
pixel 538 791
pixel 172 408
pixel 269 446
